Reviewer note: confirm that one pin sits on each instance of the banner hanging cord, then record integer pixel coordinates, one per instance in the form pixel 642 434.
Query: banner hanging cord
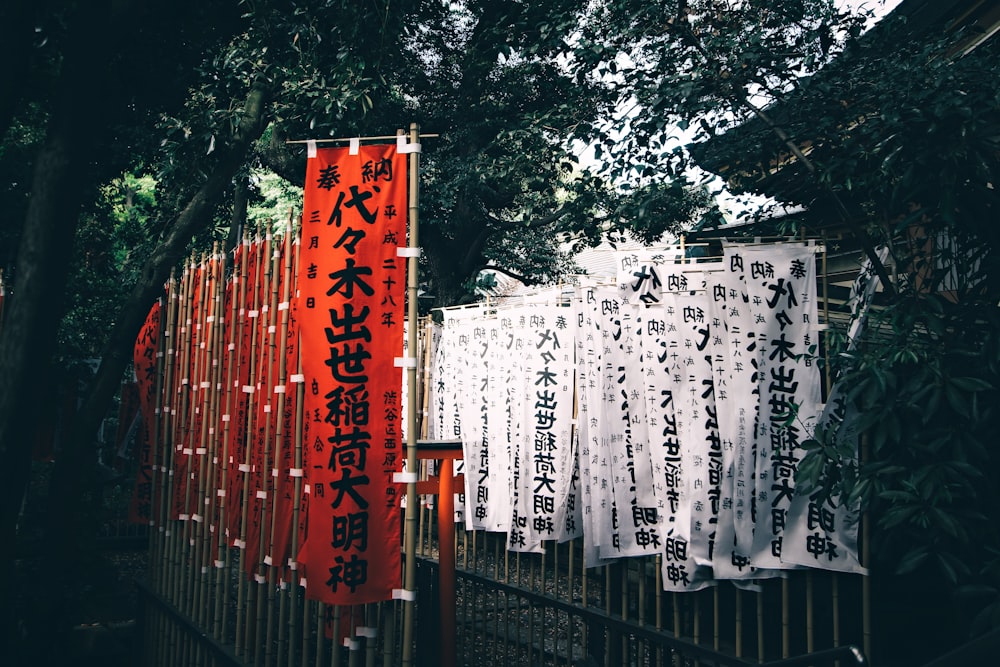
pixel 349 139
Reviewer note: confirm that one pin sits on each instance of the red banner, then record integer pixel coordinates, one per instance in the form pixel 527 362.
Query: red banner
pixel 351 322
pixel 144 358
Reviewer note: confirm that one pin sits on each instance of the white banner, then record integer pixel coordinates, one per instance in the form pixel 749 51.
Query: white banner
pixel 825 534
pixel 743 379
pixel 687 338
pixel 595 489
pixel 548 461
pixel 735 422
pixel 473 409
pixel 515 329
pixel 781 287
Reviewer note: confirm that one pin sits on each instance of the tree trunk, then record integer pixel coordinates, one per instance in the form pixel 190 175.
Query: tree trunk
pixel 29 337
pixel 63 175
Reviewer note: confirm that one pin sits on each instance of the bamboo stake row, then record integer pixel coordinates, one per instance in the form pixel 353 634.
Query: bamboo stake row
pixel 228 470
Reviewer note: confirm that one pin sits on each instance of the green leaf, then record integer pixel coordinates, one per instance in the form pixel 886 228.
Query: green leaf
pixel 956 400
pixel 912 560
pixel 971 384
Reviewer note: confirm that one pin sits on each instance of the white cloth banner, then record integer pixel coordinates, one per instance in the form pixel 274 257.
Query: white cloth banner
pixel 742 370
pixel 515 329
pixel 441 398
pixel 825 534
pixel 637 525
pixel 595 489
pixel 735 421
pixel 633 387
pixel 781 287
pixel 498 507
pixel 549 455
pixel 694 388
pixel 687 326
pixel 473 410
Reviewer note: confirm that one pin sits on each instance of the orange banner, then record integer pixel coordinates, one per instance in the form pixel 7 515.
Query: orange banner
pixel 351 322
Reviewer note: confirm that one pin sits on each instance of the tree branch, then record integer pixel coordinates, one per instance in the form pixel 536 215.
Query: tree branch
pixel 507 272
pixel 687 34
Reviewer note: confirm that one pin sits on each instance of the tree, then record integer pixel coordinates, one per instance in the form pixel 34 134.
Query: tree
pixel 503 186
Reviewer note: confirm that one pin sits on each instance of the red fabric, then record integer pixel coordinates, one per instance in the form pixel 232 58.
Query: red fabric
pixel 144 360
pixel 284 459
pixel 240 418
pixel 351 323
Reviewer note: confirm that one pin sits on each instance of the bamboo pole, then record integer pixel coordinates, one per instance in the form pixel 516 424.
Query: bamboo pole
pixel 286 646
pixel 676 602
pixel 186 587
pixel 258 464
pixel 200 383
pixel 175 432
pixel 206 396
pixel 211 386
pixel 179 422
pixel 412 284
pixel 154 434
pixel 696 634
pixel 222 502
pixel 835 610
pixel 180 647
pixel 716 620
pixel 739 623
pixel 279 434
pixel 320 621
pixel 658 573
pixel 334 647
pixel 241 296
pixel 265 545
pixel 300 392
pixel 760 625
pixel 161 489
pixel 387 618
pixel 195 442
pixel 244 590
pixel 214 455
pixel 171 406
pixel 810 614
pixel 206 450
pixel 866 583
pixel 307 607
pixel 165 457
pixel 641 602
pixel 496 598
pixel 623 584
pixel 531 610
pixel 372 616
pixel 786 635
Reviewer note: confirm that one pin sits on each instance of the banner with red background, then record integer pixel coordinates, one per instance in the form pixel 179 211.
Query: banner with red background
pixel 144 356
pixel 350 313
